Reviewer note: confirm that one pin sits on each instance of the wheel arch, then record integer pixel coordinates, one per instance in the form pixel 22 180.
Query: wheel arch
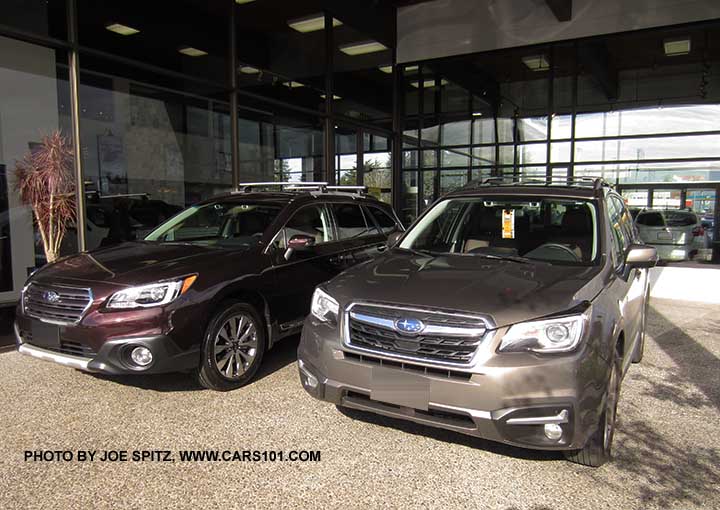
pixel 250 296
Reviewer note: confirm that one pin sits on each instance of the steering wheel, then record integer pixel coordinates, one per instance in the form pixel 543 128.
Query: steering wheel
pixel 558 247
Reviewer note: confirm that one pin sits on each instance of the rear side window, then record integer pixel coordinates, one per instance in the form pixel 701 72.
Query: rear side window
pixel 386 222
pixel 351 222
pixel 680 219
pixel 650 219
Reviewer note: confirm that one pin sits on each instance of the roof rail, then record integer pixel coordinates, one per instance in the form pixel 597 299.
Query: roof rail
pixel 315 186
pixel 596 183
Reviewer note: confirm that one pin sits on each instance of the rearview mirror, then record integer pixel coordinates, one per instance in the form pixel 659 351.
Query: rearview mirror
pixel 641 256
pixel 299 242
pixel 393 239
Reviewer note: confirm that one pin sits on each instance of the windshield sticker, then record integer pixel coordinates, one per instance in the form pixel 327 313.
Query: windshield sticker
pixel 508 224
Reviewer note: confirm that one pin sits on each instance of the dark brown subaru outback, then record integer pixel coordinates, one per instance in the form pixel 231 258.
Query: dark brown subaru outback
pixel 507 311
pixel 210 290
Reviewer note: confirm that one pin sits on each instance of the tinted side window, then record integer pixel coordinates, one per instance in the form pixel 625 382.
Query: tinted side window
pixel 619 243
pixel 626 222
pixel 351 221
pixel 386 222
pixel 650 219
pixel 310 220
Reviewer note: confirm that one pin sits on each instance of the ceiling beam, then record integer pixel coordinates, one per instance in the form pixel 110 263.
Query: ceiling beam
pixel 562 9
pixel 595 58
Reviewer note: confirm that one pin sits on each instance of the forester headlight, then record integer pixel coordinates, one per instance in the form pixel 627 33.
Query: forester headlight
pixel 324 307
pixel 155 294
pixel 547 336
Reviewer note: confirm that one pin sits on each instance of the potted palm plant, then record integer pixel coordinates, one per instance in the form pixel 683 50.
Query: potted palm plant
pixel 45 182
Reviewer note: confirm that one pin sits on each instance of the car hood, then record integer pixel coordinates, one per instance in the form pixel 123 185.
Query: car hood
pixel 135 263
pixel 508 292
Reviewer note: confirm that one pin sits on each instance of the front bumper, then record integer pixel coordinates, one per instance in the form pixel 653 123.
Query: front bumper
pixel 114 355
pixel 505 401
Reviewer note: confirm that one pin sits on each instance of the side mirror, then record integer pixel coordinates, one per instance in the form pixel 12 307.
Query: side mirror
pixel 641 256
pixel 299 242
pixel 393 239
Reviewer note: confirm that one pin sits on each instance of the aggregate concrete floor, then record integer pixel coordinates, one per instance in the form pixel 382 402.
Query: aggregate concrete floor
pixel 667 444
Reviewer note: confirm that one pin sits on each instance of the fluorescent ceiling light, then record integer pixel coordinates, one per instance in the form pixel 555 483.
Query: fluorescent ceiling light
pixel 428 83
pixel 249 70
pixel 334 96
pixel 477 114
pixel 362 48
pixel 293 84
pixel 536 62
pixel 675 47
pixel 240 2
pixel 388 69
pixel 311 23
pixel 121 29
pixel 192 52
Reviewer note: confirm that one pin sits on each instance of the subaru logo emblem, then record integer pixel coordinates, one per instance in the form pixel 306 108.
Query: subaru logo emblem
pixel 51 296
pixel 409 326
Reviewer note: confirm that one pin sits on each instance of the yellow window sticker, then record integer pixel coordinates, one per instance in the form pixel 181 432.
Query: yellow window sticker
pixel 508 223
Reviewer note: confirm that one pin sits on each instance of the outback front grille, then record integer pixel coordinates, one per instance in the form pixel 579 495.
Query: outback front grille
pixel 445 337
pixel 55 303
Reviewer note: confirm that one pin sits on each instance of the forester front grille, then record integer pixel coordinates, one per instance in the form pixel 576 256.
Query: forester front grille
pixel 445 338
pixel 55 303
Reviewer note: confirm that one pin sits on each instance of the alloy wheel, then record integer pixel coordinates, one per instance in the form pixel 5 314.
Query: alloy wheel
pixel 235 346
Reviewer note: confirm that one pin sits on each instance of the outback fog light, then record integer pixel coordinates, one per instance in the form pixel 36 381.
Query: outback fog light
pixel 553 431
pixel 141 356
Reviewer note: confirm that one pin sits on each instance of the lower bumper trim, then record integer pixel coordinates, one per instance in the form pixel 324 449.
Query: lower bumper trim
pixel 68 360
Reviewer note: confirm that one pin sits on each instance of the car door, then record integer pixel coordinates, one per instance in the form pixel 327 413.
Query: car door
pixel 630 285
pixel 357 232
pixel 298 272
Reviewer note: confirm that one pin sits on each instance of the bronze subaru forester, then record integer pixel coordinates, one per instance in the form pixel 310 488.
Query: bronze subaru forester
pixel 508 311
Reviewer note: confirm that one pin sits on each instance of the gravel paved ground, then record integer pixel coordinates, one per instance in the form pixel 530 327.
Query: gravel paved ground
pixel 667 447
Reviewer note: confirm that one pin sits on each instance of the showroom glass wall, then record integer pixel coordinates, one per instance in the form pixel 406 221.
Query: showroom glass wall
pixel 158 91
pixel 619 107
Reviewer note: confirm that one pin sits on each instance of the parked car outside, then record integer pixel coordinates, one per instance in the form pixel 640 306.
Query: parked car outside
pixel 676 234
pixel 209 291
pixel 492 318
pixel 708 223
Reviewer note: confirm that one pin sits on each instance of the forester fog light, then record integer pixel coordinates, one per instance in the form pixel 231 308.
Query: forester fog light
pixel 308 379
pixel 553 431
pixel 141 356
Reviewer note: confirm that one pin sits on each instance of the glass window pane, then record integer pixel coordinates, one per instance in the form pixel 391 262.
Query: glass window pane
pixel 377 175
pixel 41 17
pixel 534 128
pixel 456 157
pixel 407 211
pixel 532 153
pixel 560 152
pixel 638 149
pixel 351 222
pixel 456 133
pixel 483 130
pixel 561 126
pixel 484 155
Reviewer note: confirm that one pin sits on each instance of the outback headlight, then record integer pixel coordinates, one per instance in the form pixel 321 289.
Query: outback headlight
pixel 324 308
pixel 547 336
pixel 155 294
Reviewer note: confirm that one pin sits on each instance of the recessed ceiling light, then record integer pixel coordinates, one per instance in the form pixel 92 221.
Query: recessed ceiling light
pixel 334 97
pixel 362 48
pixel 412 68
pixel 675 47
pixel 293 84
pixel 386 69
pixel 192 52
pixel 249 70
pixel 122 29
pixel 428 83
pixel 311 23
pixel 536 62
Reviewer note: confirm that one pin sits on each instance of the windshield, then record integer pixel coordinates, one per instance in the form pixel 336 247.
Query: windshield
pixel 680 219
pixel 231 224
pixel 555 230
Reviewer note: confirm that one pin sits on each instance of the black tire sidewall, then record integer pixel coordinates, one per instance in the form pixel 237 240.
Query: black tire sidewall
pixel 210 375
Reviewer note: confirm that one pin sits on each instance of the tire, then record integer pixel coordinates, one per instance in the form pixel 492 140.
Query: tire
pixel 597 451
pixel 230 360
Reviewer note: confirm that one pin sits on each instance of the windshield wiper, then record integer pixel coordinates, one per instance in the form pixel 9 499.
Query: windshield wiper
pixel 509 258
